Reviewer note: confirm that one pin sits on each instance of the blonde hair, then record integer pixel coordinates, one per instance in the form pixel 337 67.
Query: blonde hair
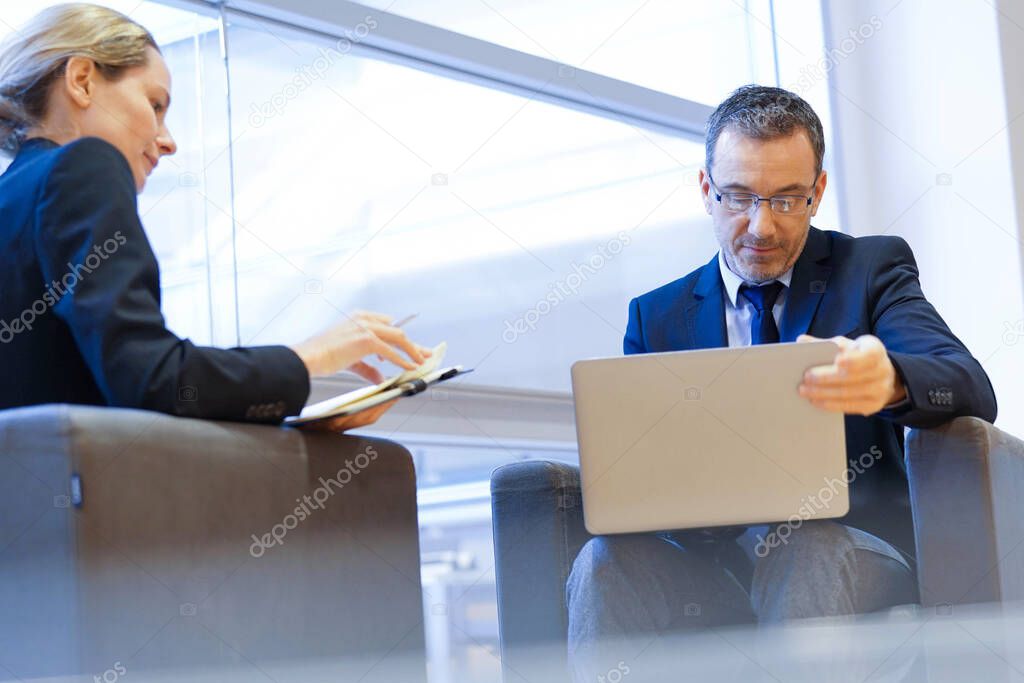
pixel 32 59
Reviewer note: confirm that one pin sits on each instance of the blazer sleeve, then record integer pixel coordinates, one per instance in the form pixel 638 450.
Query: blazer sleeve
pixel 633 342
pixel 87 223
pixel 943 380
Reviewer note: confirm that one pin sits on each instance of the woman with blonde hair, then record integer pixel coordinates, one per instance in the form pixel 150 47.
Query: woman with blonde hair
pixel 84 93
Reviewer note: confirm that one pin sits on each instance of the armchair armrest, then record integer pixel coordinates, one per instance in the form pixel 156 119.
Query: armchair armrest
pixel 239 551
pixel 966 492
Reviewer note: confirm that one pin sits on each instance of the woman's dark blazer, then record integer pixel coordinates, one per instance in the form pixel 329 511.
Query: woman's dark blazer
pixel 80 317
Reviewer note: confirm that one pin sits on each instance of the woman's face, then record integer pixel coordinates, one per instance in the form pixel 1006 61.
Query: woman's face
pixel 129 113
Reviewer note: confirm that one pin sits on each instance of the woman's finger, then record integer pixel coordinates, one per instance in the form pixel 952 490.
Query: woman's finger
pixel 366 417
pixel 378 412
pixel 382 348
pixel 360 419
pixel 367 372
pixel 397 337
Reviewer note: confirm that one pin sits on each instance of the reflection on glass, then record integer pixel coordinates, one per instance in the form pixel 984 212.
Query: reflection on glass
pixel 518 230
pixel 696 50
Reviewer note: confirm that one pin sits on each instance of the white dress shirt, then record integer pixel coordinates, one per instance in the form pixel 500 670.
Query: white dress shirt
pixel 738 311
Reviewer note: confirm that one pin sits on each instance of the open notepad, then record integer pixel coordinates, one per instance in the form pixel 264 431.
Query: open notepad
pixel 408 383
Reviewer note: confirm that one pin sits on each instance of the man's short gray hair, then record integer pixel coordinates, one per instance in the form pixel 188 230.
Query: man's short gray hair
pixel 764 113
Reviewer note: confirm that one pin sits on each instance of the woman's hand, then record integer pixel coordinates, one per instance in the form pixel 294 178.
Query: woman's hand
pixel 343 347
pixel 341 424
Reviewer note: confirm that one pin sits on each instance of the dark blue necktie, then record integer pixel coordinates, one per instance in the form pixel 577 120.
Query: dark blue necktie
pixel 763 329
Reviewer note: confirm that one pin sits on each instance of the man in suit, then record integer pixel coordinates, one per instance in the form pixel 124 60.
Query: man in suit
pixel 777 279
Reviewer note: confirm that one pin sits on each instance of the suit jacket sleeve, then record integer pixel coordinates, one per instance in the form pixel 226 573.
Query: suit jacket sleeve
pixel 943 380
pixel 633 342
pixel 87 223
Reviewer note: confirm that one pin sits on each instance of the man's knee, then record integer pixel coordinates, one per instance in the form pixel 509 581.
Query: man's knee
pixel 607 563
pixel 821 540
pixel 824 568
pixel 604 556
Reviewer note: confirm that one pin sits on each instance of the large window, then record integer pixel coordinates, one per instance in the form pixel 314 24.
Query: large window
pixel 186 204
pixel 517 229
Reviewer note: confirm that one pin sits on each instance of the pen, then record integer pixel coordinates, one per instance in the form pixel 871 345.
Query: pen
pixel 406 319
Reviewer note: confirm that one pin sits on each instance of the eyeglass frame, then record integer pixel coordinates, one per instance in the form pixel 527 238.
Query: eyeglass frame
pixel 758 199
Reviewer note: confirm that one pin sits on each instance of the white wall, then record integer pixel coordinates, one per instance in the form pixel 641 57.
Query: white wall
pixel 923 120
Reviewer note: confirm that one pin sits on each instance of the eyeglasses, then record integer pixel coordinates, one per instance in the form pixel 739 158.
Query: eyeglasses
pixel 740 202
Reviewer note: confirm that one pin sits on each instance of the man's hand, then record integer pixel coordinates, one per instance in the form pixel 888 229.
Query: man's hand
pixel 860 381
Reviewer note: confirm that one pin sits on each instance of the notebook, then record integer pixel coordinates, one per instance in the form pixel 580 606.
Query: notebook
pixel 408 383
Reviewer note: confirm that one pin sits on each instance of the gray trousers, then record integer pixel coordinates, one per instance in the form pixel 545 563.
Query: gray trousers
pixel 627 590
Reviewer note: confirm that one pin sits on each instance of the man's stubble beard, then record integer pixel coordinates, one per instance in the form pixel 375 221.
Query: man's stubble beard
pixel 734 264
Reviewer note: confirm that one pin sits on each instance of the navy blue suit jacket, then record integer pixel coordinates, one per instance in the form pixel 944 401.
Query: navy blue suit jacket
pixel 844 286
pixel 80 317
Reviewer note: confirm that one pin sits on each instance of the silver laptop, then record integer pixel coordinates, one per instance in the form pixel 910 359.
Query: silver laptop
pixel 707 438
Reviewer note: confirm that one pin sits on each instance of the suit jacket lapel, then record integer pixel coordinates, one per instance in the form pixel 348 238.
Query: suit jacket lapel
pixel 705 315
pixel 810 277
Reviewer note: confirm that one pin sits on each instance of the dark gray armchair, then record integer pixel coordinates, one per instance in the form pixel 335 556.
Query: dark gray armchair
pixel 142 545
pixel 967 494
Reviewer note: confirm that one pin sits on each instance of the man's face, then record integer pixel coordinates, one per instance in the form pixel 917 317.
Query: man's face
pixel 760 245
